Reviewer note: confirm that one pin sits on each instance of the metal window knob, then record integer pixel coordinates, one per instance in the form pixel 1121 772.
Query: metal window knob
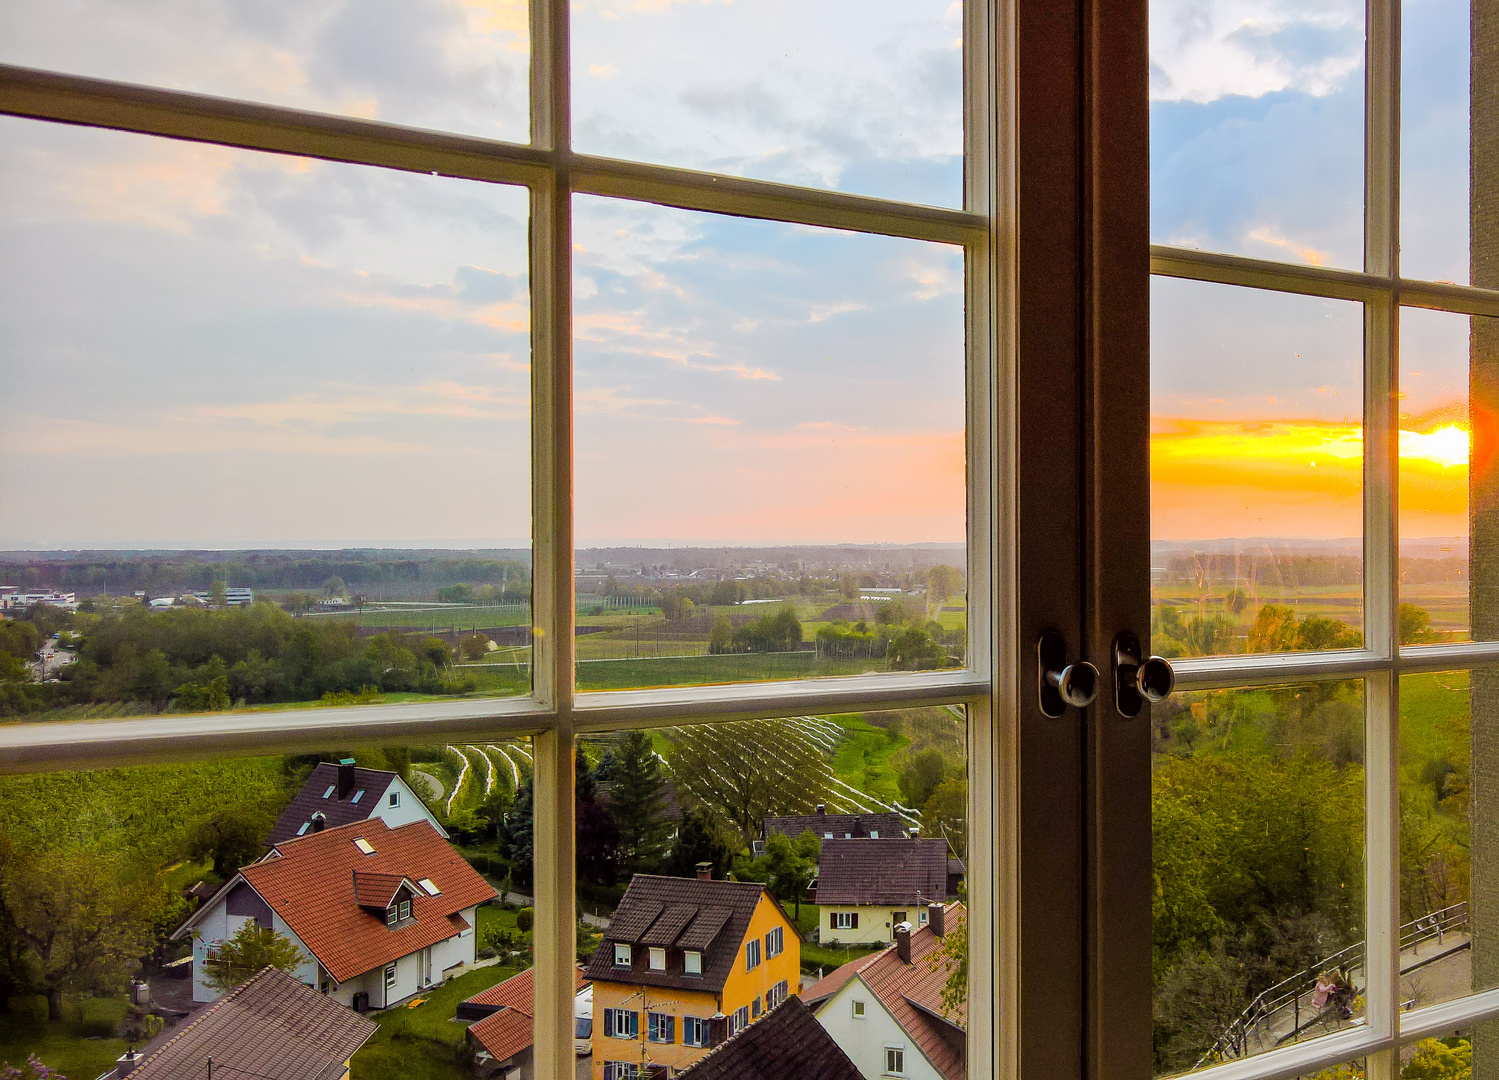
pixel 1061 683
pixel 1138 679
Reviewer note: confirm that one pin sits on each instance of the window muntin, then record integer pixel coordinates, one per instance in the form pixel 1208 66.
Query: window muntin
pixel 621 955
pixel 775 942
pixel 895 1061
pixel 694 1031
pixel 751 954
pixel 661 1027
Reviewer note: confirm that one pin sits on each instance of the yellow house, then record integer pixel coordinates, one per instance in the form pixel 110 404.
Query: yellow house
pixel 685 964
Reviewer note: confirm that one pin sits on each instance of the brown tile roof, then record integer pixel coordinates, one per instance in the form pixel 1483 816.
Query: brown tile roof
pixel 912 994
pixel 508 1030
pixel 652 906
pixel 311 886
pixel 882 871
pixel 784 1043
pixel 338 811
pixel 840 825
pixel 272 1026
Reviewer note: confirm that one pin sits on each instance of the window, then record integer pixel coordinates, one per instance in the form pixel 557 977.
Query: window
pixel 921 917
pixel 755 1008
pixel 694 1031
pixel 775 942
pixel 472 342
pixel 858 1009
pixel 621 1070
pixel 661 1027
pixel 895 1061
pixel 874 834
pixel 622 1023
pixel 752 954
pixel 392 916
pixel 777 994
pixel 739 1021
pixel 305 826
pixel 390 977
pixel 897 917
pixel 658 959
pixel 429 887
pixel 844 920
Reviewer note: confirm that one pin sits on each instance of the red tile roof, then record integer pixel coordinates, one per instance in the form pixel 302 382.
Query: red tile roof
pixel 912 994
pixel 272 1026
pixel 508 1031
pixel 309 883
pixel 378 890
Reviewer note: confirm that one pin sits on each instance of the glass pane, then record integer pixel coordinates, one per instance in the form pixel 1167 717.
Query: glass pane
pixel 252 360
pixel 451 64
pixel 1434 158
pixel 1256 470
pixel 846 94
pixel 1435 424
pixel 1449 1057
pixel 1257 799
pixel 1256 129
pixel 1442 861
pixel 770 450
pixel 382 917
pixel 724 867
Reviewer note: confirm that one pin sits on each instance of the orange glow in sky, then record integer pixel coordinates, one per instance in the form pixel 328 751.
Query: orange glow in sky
pixel 1212 479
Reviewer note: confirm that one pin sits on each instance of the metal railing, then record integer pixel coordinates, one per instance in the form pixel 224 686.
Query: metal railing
pixel 1287 994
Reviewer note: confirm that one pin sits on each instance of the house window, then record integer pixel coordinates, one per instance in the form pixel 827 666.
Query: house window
pixel 658 959
pixel 429 887
pixel 392 916
pixel 874 834
pixel 621 1070
pixel 661 1027
pixel 897 917
pixel 827 836
pixel 751 954
pixel 405 908
pixel 844 920
pixel 921 917
pixel 895 1061
pixel 621 956
pixel 394 799
pixel 622 1023
pixel 694 1031
pixel 774 943
pixel 364 845
pixel 755 1008
pixel 858 1009
pixel 692 962
pixel 305 826
pixel 739 1021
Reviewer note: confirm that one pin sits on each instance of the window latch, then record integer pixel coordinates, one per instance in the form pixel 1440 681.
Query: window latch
pixel 1138 679
pixel 1060 683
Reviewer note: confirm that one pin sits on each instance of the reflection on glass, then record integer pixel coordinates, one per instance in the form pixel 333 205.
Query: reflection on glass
pixel 449 64
pixel 1257 801
pixel 1256 459
pixel 1435 424
pixel 1441 860
pixel 724 867
pixel 770 450
pixel 1449 1057
pixel 253 398
pixel 134 896
pixel 1434 129
pixel 1256 130
pixel 861 96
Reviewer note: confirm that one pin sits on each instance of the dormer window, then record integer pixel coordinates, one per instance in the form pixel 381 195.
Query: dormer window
pixel 405 909
pixel 391 917
pixel 658 959
pixel 692 962
pixel 874 834
pixel 621 956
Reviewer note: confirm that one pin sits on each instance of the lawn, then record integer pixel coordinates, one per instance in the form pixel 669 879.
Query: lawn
pixel 74 1046
pixel 424 1043
pixel 828 960
pixel 863 757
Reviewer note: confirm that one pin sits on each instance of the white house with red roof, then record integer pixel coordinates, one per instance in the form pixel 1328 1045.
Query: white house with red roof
pixel 380 913
pixel 886 1010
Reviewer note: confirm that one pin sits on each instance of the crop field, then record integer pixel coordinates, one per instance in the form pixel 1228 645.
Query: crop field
pixel 630 674
pixel 470 772
pixel 446 618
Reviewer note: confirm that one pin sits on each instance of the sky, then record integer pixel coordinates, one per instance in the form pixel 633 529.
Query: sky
pixel 202 347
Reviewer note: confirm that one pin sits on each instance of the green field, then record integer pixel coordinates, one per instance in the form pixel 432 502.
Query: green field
pixel 80 1047
pixel 706 670
pixel 863 757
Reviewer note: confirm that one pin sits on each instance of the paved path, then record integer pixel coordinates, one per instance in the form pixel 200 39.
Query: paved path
pixel 436 783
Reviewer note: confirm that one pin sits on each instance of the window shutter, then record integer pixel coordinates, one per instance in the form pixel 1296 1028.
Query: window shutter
pixel 855 922
pixel 608 1022
pixel 634 1025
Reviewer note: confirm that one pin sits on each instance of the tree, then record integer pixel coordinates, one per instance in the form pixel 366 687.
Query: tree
pixel 946 815
pixel 231 837
pixel 786 868
pixel 1415 624
pixel 514 841
pixel 913 648
pixel 252 949
pixel 923 771
pixel 749 769
pixel 721 635
pixel 941 582
pixel 474 647
pixel 198 697
pixel 85 920
pixel 952 959
pixel 334 586
pixel 1274 630
pixel 703 837
pixel 1435 1059
pixel 637 804
pixel 724 593
pixel 218 594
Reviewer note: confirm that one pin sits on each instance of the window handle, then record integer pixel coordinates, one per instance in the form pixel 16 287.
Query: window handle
pixel 1138 679
pixel 1061 683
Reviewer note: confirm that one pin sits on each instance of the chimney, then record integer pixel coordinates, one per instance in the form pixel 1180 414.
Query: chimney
pixel 319 821
pixel 903 942
pixel 705 871
pixel 126 1062
pixel 345 777
pixel 718 1030
pixel 822 810
pixel 936 918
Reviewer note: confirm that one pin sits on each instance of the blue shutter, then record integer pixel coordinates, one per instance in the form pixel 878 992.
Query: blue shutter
pixel 634 1025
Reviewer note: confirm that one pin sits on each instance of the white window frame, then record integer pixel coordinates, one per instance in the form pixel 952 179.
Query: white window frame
pixel 623 953
pixel 751 954
pixel 657 959
pixel 899 1054
pixel 554 713
pixel 775 943
pixel 1383 292
pixel 692 962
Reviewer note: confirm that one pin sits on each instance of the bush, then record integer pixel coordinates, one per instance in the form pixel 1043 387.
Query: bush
pixel 525 918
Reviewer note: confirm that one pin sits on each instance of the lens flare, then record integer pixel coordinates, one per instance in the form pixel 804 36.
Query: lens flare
pixel 1446 446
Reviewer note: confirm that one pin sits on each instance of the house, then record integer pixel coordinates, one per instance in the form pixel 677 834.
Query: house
pixel 826 826
pixel 380 913
pixel 789 1042
pixel 886 1010
pixel 502 1035
pixel 678 953
pixel 272 1026
pixel 344 793
pixel 868 887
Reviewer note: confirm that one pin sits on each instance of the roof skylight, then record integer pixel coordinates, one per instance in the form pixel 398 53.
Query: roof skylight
pixel 329 791
pixel 357 796
pixel 428 887
pixel 364 845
